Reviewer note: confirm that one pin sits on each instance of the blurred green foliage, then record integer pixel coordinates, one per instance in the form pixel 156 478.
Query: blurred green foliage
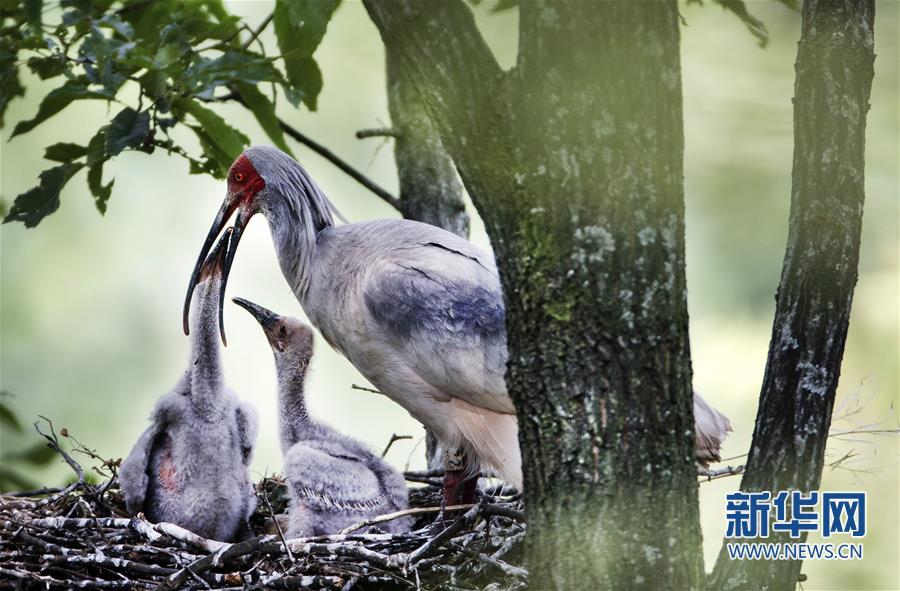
pixel 181 56
pixel 16 466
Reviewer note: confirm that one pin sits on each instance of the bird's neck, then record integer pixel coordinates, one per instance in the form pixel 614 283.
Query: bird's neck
pixel 205 364
pixel 295 244
pixel 295 422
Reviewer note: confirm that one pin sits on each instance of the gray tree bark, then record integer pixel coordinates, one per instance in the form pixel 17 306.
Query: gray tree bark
pixel 834 70
pixel 430 190
pixel 574 160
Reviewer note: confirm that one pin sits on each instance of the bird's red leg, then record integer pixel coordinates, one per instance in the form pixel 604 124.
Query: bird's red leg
pixel 466 490
pixel 451 487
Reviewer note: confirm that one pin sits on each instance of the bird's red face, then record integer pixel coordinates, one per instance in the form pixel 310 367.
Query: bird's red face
pixel 243 180
pixel 244 187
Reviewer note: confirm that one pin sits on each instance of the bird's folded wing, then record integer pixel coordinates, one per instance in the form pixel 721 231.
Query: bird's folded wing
pixel 441 309
pixel 135 469
pixel 133 473
pixel 330 481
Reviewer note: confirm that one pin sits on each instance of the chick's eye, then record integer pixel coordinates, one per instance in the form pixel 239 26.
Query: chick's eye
pixel 238 177
pixel 282 330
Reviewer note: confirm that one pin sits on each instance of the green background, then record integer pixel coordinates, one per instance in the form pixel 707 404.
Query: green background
pixel 91 328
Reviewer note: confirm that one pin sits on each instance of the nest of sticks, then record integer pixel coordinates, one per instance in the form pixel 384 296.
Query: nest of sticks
pixel 80 537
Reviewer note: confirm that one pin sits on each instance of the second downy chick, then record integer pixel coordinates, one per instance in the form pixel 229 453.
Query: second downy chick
pixel 334 480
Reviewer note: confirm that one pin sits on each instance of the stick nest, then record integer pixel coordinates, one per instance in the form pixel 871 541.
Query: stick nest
pixel 80 537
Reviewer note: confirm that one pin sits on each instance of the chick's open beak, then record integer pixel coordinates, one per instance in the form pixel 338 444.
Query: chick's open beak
pixel 212 266
pixel 267 319
pixel 245 210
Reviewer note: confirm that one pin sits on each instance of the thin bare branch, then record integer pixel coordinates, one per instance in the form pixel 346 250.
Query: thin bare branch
pixel 377 132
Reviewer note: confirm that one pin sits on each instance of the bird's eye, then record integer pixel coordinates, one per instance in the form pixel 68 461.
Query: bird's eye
pixel 238 177
pixel 282 330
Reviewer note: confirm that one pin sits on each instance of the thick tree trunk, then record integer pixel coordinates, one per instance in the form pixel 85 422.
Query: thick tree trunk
pixel 834 77
pixel 574 160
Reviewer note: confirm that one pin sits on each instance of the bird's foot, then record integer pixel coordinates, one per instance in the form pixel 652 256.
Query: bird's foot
pixel 457 489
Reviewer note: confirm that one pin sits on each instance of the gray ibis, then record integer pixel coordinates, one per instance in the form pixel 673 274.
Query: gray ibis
pixel 418 310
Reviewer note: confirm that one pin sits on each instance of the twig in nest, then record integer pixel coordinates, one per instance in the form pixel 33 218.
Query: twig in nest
pixel 53 442
pixel 394 438
pixel 284 543
pixel 454 528
pixel 404 513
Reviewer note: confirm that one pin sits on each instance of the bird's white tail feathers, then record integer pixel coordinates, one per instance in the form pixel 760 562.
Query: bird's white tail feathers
pixel 493 438
pixel 711 427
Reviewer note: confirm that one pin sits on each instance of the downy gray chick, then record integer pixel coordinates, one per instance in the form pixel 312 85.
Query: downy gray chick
pixel 190 466
pixel 334 480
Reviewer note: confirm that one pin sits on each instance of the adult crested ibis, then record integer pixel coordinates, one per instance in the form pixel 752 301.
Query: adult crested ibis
pixel 333 480
pixel 190 466
pixel 418 310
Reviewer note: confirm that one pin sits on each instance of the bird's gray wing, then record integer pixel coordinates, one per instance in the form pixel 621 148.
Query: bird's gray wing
pixel 247 425
pixel 135 469
pixel 133 474
pixel 326 476
pixel 439 304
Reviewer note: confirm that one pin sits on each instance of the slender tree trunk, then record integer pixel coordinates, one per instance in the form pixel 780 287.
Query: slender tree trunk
pixel 430 190
pixel 831 98
pixel 574 160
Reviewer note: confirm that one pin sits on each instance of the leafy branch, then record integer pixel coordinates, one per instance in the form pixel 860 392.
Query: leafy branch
pixel 182 58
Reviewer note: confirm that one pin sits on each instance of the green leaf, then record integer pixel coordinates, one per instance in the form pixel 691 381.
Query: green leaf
pixel 306 81
pixel 154 83
pixel 204 75
pixel 128 129
pixel 64 152
pixel 228 141
pixel 113 21
pixel 96 150
pixel 100 191
pixel 47 67
pixel 34 205
pixel 55 101
pixel 105 60
pixel 9 418
pixel 264 111
pixel 10 86
pixel 33 10
pixel 217 161
pixel 300 26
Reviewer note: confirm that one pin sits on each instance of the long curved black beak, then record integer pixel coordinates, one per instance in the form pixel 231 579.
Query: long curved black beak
pixel 231 203
pixel 266 318
pixel 214 263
